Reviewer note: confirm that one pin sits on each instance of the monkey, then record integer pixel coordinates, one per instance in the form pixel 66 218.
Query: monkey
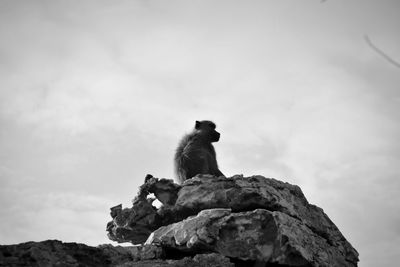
pixel 195 153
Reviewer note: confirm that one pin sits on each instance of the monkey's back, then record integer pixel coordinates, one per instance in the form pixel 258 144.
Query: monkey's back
pixel 192 157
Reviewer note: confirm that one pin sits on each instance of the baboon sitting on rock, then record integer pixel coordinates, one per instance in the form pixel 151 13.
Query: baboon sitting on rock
pixel 195 153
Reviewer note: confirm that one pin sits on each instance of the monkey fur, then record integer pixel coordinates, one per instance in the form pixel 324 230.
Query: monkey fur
pixel 195 153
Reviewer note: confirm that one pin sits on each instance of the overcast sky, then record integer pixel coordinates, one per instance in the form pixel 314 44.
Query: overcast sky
pixel 96 94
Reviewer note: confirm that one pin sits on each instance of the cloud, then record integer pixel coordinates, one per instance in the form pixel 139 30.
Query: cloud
pixel 30 214
pixel 94 96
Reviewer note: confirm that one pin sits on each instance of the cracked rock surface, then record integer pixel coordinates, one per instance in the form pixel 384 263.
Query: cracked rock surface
pixel 250 220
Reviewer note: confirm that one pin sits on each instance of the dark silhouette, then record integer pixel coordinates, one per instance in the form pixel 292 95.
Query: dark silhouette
pixel 195 153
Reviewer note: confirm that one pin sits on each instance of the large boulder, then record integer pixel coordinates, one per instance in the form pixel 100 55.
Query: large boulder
pixel 256 219
pixel 258 235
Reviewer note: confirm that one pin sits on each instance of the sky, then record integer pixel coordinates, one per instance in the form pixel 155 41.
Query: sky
pixel 94 95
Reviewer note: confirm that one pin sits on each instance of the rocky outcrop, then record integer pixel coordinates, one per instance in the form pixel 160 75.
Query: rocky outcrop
pixel 251 220
pixel 206 221
pixel 54 253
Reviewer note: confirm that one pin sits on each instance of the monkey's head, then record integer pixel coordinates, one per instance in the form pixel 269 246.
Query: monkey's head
pixel 207 131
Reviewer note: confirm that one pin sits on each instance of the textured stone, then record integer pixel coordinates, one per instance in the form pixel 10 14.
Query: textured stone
pixel 52 253
pixel 137 223
pixel 206 221
pixel 305 233
pixel 200 260
pixel 259 235
pixel 146 252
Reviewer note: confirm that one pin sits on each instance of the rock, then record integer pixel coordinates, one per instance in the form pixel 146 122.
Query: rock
pixel 137 223
pixel 259 235
pixel 115 211
pixel 206 221
pixel 56 253
pixel 165 190
pixel 133 253
pixel 200 260
pixel 244 218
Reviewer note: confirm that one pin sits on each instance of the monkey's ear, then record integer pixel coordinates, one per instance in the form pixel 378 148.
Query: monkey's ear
pixel 197 126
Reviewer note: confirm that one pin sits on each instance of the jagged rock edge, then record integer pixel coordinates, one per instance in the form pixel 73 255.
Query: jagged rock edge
pixel 331 240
